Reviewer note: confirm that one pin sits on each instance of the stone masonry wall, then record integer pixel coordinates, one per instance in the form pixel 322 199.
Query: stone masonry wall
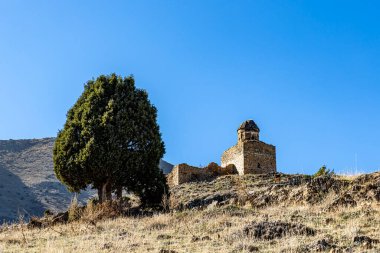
pixel 234 155
pixel 259 158
pixel 183 173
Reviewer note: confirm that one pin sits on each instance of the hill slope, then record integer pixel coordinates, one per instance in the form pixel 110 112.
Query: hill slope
pixel 233 214
pixel 261 191
pixel 28 185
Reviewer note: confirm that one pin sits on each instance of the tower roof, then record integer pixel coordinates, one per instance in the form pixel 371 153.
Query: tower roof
pixel 249 125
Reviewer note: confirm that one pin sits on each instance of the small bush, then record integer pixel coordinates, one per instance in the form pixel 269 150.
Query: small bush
pixel 213 168
pixel 324 171
pixel 108 210
pixel 165 203
pixel 75 211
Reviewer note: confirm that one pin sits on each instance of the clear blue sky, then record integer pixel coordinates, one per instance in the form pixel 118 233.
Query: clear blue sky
pixel 307 72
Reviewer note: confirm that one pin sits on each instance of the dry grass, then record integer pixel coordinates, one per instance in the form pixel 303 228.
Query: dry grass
pixel 210 230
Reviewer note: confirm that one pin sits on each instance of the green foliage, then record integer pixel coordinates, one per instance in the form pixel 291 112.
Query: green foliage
pixel 323 171
pixel 307 176
pixel 110 139
pixel 47 212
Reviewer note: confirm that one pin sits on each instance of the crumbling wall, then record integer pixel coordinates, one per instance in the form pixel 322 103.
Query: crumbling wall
pixel 184 173
pixel 235 156
pixel 170 177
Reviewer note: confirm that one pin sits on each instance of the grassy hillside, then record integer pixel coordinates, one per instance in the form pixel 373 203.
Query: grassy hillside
pixel 230 214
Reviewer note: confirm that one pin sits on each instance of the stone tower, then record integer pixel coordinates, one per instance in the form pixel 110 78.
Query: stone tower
pixel 248 131
pixel 250 155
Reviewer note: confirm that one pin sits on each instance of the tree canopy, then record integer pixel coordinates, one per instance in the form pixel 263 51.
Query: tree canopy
pixel 111 140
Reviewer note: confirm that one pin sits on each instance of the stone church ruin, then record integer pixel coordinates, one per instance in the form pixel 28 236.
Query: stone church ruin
pixel 248 156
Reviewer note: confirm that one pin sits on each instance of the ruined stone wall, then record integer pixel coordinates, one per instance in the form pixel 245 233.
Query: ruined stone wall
pixel 172 177
pixel 259 158
pixel 234 155
pixel 183 173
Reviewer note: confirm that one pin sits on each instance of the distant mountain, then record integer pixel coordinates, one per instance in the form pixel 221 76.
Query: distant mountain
pixel 28 185
pixel 166 167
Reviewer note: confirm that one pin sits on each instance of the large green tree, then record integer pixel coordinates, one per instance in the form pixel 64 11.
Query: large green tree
pixel 110 141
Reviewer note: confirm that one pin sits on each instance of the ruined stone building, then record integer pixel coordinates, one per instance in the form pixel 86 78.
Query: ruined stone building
pixel 250 155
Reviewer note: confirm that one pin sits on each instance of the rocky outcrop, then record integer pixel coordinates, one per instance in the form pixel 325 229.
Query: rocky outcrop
pixel 274 230
pixel 279 189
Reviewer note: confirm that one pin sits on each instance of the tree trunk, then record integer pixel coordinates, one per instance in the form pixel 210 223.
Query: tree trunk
pixel 100 195
pixel 119 192
pixel 109 191
pixel 104 191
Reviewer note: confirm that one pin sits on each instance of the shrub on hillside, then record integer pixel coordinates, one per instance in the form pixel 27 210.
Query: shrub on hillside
pixel 324 171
